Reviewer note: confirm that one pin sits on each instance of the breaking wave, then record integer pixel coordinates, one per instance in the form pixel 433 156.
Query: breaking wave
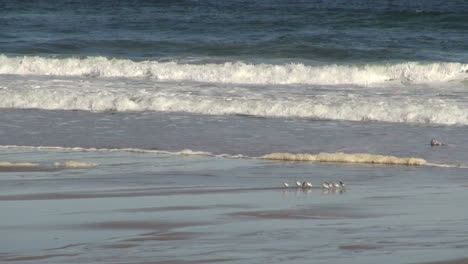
pixel 236 72
pixel 330 107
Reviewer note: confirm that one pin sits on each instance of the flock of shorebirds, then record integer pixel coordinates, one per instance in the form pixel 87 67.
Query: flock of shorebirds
pixel 325 185
pixel 340 185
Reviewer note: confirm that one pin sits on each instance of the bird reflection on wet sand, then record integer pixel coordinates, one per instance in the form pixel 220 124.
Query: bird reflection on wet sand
pixel 309 190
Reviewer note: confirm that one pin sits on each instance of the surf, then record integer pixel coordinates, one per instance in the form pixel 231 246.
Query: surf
pixel 236 72
pixel 332 106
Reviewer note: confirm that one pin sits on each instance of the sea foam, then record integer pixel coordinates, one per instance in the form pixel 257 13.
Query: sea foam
pixel 76 164
pixel 340 157
pixel 18 164
pixel 236 72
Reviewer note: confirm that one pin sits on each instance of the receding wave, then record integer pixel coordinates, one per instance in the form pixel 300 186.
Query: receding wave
pixel 338 157
pixel 184 152
pixel 236 72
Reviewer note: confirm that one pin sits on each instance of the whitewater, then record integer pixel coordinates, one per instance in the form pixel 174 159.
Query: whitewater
pixel 410 92
pixel 236 72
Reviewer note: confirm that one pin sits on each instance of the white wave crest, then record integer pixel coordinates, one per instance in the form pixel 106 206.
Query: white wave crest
pixel 237 72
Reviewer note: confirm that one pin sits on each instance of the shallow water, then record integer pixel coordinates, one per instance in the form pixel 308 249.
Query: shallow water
pixel 232 135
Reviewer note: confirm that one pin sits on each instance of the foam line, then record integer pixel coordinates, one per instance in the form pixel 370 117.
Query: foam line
pixel 184 152
pixel 76 164
pixel 338 157
pixel 18 164
pixel 461 166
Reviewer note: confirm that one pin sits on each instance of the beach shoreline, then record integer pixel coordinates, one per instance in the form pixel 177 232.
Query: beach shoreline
pixel 163 216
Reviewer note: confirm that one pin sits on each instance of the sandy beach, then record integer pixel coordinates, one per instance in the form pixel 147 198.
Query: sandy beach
pixel 191 209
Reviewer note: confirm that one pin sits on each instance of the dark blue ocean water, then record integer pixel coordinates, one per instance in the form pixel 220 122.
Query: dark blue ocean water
pixel 360 31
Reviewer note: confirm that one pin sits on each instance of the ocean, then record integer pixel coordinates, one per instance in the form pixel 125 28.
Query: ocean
pixel 183 119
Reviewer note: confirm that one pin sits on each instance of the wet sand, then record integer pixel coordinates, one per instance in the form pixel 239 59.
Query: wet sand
pixel 173 213
pixel 26 169
pixel 456 261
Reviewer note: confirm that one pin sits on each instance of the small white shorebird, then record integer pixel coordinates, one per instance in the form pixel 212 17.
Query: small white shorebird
pixel 336 184
pixel 306 184
pixel 298 184
pixel 285 184
pixel 342 184
pixel 435 142
pixel 326 185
